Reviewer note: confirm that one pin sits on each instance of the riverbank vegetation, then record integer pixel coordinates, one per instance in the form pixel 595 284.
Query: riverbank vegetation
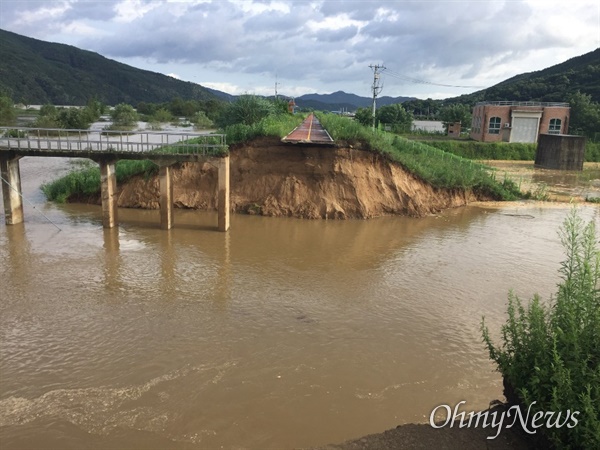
pixel 440 169
pixel 502 150
pixel 549 354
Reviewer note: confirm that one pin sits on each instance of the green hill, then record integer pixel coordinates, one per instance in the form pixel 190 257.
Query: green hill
pixel 39 72
pixel 553 84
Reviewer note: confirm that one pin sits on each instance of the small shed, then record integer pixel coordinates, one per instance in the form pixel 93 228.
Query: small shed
pixel 560 152
pixel 454 129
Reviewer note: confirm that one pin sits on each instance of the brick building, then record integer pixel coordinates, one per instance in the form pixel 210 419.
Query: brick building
pixel 518 121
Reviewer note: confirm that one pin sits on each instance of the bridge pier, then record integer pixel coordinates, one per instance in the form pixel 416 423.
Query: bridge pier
pixel 166 196
pixel 108 188
pixel 11 192
pixel 223 197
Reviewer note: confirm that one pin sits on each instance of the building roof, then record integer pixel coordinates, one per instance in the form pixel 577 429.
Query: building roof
pixel 515 103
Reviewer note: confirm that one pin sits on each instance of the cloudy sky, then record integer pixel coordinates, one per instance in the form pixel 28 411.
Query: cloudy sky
pixel 430 48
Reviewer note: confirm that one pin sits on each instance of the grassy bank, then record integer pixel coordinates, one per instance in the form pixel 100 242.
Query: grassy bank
pixel 86 182
pixel 439 168
pixel 502 150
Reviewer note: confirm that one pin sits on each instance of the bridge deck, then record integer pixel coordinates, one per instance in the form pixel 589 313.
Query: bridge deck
pixel 309 132
pixel 156 146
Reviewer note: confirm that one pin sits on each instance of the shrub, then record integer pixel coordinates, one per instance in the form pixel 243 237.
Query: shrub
pixel 123 116
pixel 550 353
pixel 247 110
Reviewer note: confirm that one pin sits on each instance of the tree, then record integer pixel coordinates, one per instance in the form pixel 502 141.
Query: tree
pixel 8 116
pixel 456 113
pixel 247 109
pixel 364 116
pixel 124 116
pixel 201 121
pixel 396 116
pixel 585 114
pixel 162 115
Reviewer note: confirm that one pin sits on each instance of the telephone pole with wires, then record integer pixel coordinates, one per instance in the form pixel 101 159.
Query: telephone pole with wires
pixel 377 87
pixel 276 84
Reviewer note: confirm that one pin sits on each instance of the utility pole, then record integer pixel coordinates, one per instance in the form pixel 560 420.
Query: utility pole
pixel 376 86
pixel 276 84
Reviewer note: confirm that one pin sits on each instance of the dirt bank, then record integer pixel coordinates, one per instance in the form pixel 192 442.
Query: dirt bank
pixel 275 179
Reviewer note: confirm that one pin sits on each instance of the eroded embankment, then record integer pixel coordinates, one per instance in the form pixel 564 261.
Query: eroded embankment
pixel 275 179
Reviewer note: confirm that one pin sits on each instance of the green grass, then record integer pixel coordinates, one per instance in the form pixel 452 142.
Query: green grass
pixel 275 125
pixel 440 169
pixel 502 150
pixel 86 182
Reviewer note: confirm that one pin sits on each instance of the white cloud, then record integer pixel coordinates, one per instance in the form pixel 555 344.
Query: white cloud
pixel 320 45
pixel 174 75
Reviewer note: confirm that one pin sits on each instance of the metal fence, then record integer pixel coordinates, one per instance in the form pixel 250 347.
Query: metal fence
pixel 105 141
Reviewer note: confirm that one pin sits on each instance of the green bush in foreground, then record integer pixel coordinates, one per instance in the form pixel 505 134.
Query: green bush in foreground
pixel 550 353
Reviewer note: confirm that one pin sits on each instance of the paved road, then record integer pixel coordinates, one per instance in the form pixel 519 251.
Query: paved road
pixel 309 132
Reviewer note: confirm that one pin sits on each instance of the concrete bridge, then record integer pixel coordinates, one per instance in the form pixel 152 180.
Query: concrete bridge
pixel 106 148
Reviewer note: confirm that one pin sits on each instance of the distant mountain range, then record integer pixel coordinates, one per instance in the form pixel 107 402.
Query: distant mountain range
pixel 342 101
pixel 39 72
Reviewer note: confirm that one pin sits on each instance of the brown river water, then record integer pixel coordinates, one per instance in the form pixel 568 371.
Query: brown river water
pixel 281 333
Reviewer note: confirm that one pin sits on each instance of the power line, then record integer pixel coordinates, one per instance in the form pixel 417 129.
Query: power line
pixel 400 76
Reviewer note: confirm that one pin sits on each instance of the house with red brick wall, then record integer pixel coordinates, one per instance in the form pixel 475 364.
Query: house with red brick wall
pixel 507 121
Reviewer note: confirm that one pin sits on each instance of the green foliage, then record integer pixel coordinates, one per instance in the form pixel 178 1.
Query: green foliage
pixel 439 168
pixel 86 182
pixel 502 150
pixel 69 118
pixel 585 114
pixel 364 116
pixel 246 110
pixel 123 116
pixel 162 116
pixel 456 113
pixel 396 116
pixel 487 150
pixel 201 121
pixel 8 115
pixel 73 118
pixel 43 72
pixel 550 353
pixel 276 125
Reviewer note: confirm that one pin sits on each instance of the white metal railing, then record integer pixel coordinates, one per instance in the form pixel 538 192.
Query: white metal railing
pixel 516 103
pixel 105 141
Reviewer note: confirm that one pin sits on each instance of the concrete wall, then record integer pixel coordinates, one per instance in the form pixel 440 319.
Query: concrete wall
pixel 560 152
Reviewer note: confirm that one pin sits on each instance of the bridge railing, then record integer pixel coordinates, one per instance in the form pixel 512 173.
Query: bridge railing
pixel 107 141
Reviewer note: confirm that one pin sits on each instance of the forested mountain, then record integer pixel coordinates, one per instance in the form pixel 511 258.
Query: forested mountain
pixel 553 84
pixel 342 100
pixel 39 72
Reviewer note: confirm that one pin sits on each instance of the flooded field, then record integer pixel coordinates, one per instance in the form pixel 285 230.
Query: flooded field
pixel 281 333
pixel 558 185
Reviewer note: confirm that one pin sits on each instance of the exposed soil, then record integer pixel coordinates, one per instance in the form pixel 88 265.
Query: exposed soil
pixel 274 179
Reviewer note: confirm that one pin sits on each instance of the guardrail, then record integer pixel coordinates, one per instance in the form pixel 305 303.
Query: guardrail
pixel 517 103
pixel 105 141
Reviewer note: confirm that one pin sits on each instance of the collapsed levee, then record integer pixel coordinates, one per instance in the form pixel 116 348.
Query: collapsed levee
pixel 274 179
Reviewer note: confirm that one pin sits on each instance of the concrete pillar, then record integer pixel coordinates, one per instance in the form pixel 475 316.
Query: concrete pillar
pixel 108 184
pixel 166 197
pixel 223 197
pixel 11 192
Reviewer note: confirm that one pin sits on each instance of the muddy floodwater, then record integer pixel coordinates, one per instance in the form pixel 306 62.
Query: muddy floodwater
pixel 281 333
